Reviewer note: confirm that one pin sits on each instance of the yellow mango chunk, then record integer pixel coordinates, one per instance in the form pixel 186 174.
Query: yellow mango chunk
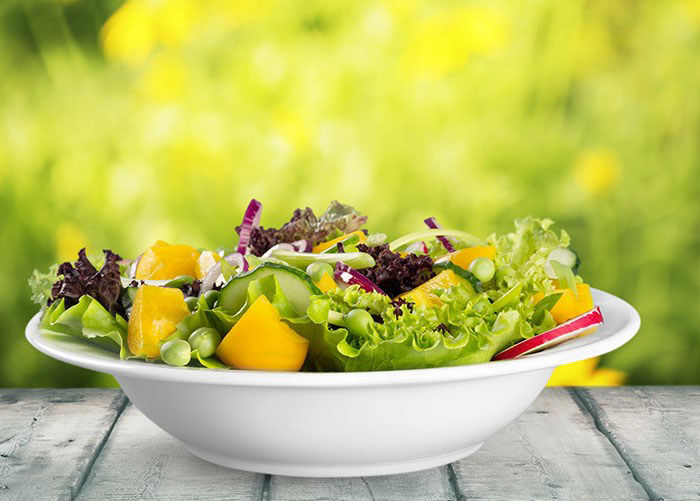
pixel 260 340
pixel 464 257
pixel 325 245
pixel 154 315
pixel 569 306
pixel 205 262
pixel 163 261
pixel 424 293
pixel 326 283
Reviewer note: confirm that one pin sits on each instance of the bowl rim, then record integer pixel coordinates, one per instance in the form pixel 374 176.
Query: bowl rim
pixel 604 340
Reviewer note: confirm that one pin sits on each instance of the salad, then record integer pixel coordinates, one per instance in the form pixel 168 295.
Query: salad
pixel 325 294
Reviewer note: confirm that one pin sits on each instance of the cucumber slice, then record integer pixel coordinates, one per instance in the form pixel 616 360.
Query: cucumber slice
pixel 303 259
pixel 460 272
pixel 296 285
pixel 574 268
pixel 565 256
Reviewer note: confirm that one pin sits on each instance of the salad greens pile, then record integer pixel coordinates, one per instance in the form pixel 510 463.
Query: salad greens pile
pixel 321 294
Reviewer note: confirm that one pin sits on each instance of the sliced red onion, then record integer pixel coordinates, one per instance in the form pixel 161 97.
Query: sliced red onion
pixel 251 219
pixel 432 223
pixel 302 246
pixel 283 246
pixel 214 274
pixel 417 247
pixel 245 266
pixel 349 276
pixel 132 265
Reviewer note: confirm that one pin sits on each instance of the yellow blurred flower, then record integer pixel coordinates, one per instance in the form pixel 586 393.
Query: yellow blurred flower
pixel 401 8
pixel 139 26
pixel 691 8
pixel 586 373
pixel 69 240
pixel 597 172
pixel 240 12
pixel 445 42
pixel 3 166
pixel 295 129
pixel 175 20
pixel 165 78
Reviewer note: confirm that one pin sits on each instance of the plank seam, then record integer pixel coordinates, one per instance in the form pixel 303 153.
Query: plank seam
pixel 123 402
pixel 452 477
pixel 369 488
pixel 265 491
pixel 587 404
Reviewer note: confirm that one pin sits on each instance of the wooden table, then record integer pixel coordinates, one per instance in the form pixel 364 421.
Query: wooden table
pixel 583 443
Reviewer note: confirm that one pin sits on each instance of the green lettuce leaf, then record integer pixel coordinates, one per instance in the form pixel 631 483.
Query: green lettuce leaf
pixel 89 320
pixel 41 284
pixel 208 362
pixel 269 287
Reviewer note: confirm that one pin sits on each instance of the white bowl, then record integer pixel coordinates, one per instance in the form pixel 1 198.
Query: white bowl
pixel 339 424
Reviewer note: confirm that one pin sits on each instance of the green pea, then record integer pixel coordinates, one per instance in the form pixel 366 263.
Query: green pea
pixel 211 297
pixel 191 303
pixel 482 268
pixel 205 340
pixel 316 270
pixel 176 352
pixel 359 322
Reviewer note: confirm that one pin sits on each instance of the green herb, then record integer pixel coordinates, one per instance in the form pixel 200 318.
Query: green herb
pixel 544 305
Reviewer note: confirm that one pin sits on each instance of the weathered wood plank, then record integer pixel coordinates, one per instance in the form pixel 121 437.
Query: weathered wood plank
pixel 141 461
pixel 49 438
pixel 657 431
pixel 553 450
pixel 429 484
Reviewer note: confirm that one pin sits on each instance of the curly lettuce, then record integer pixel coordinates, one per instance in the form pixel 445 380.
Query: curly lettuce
pixel 464 330
pixel 337 220
pixel 521 256
pixel 41 284
pixel 82 277
pixel 437 249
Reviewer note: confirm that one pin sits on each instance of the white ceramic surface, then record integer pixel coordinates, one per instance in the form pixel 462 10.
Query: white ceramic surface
pixel 339 424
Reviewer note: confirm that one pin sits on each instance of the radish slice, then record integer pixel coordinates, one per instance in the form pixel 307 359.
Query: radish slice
pixel 251 219
pixel 432 223
pixel 568 330
pixel 350 276
pixel 214 275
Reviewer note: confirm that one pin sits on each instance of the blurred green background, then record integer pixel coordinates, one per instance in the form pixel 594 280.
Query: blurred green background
pixel 121 123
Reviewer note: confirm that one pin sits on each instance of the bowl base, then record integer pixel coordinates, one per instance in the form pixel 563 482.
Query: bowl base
pixel 341 470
